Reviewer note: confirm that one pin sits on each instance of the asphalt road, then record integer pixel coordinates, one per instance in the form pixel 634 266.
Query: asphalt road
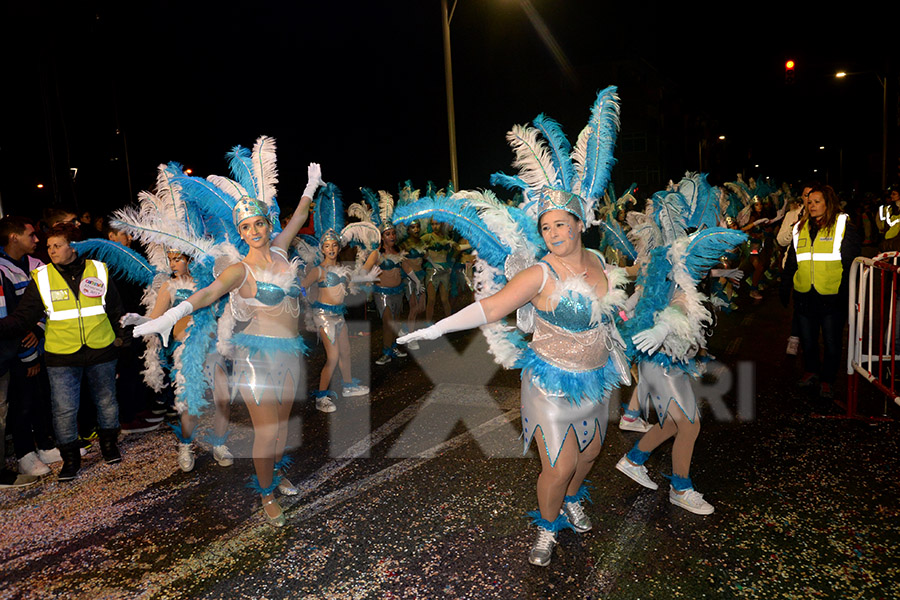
pixel 420 490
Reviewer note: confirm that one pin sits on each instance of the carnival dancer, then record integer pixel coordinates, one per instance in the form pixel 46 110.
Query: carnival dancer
pixel 176 290
pixel 440 250
pixel 568 299
pixel 414 248
pixel 390 261
pixel 669 330
pixel 332 283
pixel 265 294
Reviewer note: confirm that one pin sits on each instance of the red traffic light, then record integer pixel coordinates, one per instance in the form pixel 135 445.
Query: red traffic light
pixel 789 65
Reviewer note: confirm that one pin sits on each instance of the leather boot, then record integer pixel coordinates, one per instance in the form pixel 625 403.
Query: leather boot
pixel 71 455
pixel 108 446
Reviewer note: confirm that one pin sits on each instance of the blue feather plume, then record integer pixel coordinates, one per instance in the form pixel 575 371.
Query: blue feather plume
pixel 216 206
pixel 371 199
pixel 240 163
pixel 124 262
pixel 560 149
pixel 329 211
pixel 614 236
pixel 510 182
pixel 464 219
pixel 706 213
pixel 707 246
pixel 601 132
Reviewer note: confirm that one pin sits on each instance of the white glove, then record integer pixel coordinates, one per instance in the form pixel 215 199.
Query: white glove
pixel 163 324
pixel 733 275
pixel 132 319
pixel 419 287
pixel 651 339
pixel 760 222
pixel 468 318
pixel 314 181
pixel 363 277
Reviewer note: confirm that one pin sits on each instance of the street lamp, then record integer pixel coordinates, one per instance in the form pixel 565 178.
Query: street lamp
pixel 448 78
pixel 884 126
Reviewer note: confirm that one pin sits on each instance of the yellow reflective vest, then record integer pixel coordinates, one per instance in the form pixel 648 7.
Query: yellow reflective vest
pixel 75 320
pixel 819 261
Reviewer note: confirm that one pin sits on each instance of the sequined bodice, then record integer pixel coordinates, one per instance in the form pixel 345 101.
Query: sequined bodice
pixel 332 279
pixel 414 254
pixel 272 294
pixel 182 294
pixel 572 313
pixel 386 264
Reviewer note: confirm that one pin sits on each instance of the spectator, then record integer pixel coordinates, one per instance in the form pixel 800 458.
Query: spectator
pixel 29 402
pixel 824 246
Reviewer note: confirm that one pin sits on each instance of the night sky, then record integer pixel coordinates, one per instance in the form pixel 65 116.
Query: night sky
pixel 359 87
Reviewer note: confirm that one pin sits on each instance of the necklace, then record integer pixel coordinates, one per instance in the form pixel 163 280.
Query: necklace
pixel 571 272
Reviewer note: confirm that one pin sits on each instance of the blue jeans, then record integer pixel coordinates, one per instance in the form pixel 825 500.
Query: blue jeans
pixel 65 392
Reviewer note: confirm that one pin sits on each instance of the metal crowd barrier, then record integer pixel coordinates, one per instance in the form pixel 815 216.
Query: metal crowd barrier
pixel 873 328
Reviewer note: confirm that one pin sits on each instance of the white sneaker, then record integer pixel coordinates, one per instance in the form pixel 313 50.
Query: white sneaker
pixel 542 551
pixel 399 352
pixel 48 457
pixel 185 457
pixel 413 345
pixel 636 472
pixel 690 500
pixel 383 359
pixel 325 405
pixel 223 456
pixel 793 345
pixel 639 424
pixel 30 464
pixel 354 390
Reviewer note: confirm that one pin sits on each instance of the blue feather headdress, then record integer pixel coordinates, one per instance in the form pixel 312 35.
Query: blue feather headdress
pixel 552 174
pixel 328 215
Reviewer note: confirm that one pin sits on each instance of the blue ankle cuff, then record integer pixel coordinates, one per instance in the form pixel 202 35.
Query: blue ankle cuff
pixel 631 414
pixel 679 484
pixel 561 522
pixel 583 493
pixel 637 456
pixel 215 440
pixel 263 491
pixel 284 463
pixel 176 427
pixel 324 394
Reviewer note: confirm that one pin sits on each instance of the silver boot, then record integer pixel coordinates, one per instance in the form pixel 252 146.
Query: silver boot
pixel 577 517
pixel 542 550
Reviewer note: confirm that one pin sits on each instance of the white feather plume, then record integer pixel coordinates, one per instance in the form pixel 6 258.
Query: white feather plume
pixel 385 206
pixel 533 158
pixel 264 169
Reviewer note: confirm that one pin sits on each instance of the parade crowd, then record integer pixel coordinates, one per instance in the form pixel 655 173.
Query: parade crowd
pixel 202 294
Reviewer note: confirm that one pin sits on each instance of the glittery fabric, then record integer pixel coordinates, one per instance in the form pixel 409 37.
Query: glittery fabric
pixel 329 321
pixel 660 386
pixel 557 416
pixel 439 274
pixel 392 300
pixel 261 367
pixel 569 350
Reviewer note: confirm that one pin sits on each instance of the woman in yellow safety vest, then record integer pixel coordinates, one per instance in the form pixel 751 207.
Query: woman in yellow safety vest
pixel 823 247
